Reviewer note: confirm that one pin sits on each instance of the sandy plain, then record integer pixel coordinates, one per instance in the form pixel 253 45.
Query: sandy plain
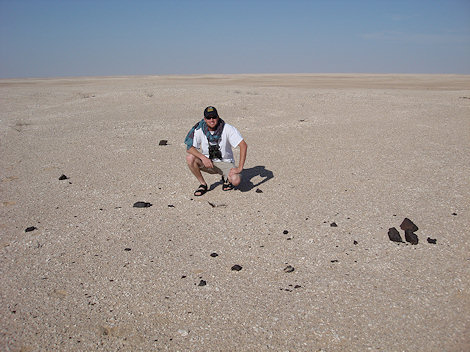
pixel 360 151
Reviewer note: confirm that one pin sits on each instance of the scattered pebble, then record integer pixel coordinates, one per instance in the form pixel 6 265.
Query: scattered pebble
pixel 432 240
pixel 213 255
pixel 258 191
pixel 333 224
pixel 394 235
pixel 142 205
pixel 407 224
pixel 454 214
pixel 171 206
pixel 31 228
pixel 236 267
pixel 163 142
pixel 411 237
pixel 127 249
pixel 355 242
pixel 63 177
pixel 289 269
pixel 202 283
pixel 285 232
pixel 335 261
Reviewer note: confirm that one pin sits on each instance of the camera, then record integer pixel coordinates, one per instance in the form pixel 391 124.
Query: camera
pixel 214 152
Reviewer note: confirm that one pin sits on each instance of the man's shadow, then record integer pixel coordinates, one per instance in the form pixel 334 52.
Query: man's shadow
pixel 248 174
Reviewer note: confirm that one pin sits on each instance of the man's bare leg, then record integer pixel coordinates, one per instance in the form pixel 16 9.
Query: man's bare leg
pixel 194 165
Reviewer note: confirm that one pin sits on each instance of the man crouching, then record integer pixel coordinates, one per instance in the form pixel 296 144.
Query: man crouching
pixel 209 148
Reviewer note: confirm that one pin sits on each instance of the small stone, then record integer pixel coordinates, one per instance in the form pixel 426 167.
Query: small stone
pixel 289 269
pixel 163 142
pixel 394 235
pixel 258 191
pixel 182 332
pixel 285 232
pixel 31 228
pixel 171 206
pixel 355 242
pixel 127 249
pixel 63 177
pixel 335 261
pixel 297 286
pixel 454 214
pixel 432 240
pixel 142 205
pixel 202 283
pixel 411 237
pixel 236 267
pixel 407 224
pixel 333 224
pixel 213 255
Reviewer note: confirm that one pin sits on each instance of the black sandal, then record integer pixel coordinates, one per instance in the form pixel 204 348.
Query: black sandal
pixel 202 189
pixel 227 186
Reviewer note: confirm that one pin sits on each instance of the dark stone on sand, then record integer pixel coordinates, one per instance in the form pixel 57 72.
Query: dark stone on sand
pixel 333 224
pixel 127 249
pixel 236 267
pixel 142 205
pixel 285 232
pixel 202 283
pixel 407 224
pixel 335 261
pixel 171 206
pixel 63 177
pixel 213 255
pixel 297 286
pixel 394 235
pixel 432 240
pixel 31 228
pixel 454 214
pixel 289 269
pixel 258 191
pixel 163 142
pixel 411 237
pixel 355 242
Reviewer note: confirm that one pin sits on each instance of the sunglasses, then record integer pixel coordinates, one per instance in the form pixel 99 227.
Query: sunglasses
pixel 211 117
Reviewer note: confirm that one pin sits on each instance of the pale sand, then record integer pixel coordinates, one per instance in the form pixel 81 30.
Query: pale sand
pixel 363 151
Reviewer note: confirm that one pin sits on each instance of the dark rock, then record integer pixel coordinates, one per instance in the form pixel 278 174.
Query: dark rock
pixel 163 142
pixel 285 232
pixel 171 206
pixel 411 237
pixel 142 205
pixel 454 214
pixel 63 177
pixel 335 261
pixel 432 240
pixel 258 191
pixel 394 235
pixel 236 267
pixel 333 224
pixel 213 255
pixel 202 283
pixel 31 228
pixel 297 286
pixel 355 242
pixel 407 224
pixel 127 249
pixel 289 269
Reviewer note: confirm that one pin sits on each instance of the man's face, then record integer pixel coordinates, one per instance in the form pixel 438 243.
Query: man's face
pixel 212 122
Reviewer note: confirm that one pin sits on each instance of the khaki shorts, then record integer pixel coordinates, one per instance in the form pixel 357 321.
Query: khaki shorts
pixel 220 167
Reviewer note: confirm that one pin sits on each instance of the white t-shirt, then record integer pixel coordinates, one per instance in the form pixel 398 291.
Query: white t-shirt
pixel 231 138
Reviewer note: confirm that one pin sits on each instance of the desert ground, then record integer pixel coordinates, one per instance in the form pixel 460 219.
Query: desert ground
pixel 334 162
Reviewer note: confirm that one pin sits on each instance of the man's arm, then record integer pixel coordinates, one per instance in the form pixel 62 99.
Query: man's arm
pixel 243 148
pixel 205 160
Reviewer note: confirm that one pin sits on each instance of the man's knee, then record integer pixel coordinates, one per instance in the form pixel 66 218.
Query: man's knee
pixel 190 159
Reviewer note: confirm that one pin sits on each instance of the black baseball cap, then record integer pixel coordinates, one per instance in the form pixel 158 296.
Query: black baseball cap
pixel 210 111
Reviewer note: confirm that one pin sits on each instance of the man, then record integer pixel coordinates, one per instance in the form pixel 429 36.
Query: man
pixel 215 140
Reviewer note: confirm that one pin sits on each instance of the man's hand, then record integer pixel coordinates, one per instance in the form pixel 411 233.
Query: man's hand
pixel 207 162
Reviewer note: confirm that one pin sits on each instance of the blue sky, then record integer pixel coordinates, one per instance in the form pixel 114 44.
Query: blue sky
pixel 40 38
